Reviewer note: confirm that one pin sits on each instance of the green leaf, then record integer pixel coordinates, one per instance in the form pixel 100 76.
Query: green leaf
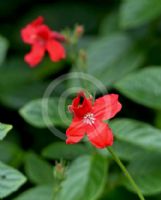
pixel 38 170
pixel 44 192
pixel 146 172
pixel 10 153
pixel 3 49
pixel 112 57
pixel 4 129
pixel 60 150
pixel 10 180
pixel 127 151
pixel 143 87
pixel 137 133
pixel 34 111
pixel 85 179
pixel 136 13
pixel 110 24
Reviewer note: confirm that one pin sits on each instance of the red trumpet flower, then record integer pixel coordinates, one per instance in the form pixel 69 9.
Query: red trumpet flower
pixel 42 39
pixel 88 118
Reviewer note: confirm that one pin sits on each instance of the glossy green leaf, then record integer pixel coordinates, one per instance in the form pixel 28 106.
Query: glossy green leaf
pixel 85 179
pixel 137 133
pixel 136 13
pixel 143 87
pixel 125 150
pixel 4 129
pixel 10 180
pixel 42 113
pixel 60 150
pixel 112 57
pixel 44 192
pixel 146 172
pixel 128 151
pixel 33 112
pixel 38 170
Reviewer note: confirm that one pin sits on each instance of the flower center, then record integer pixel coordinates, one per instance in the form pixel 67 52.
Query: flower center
pixel 33 36
pixel 89 118
pixel 38 39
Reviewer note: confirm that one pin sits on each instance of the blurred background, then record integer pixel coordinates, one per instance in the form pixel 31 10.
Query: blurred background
pixel 120 37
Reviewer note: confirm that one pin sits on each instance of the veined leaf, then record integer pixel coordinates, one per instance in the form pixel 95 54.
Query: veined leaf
pixel 136 13
pixel 44 192
pixel 112 57
pixel 10 180
pixel 44 112
pixel 59 150
pixel 128 151
pixel 4 129
pixel 146 172
pixel 38 170
pixel 143 87
pixel 137 133
pixel 86 177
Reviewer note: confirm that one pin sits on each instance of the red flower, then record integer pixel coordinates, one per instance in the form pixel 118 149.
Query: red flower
pixel 88 119
pixel 42 38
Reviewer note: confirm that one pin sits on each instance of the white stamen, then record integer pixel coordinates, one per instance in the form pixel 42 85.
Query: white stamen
pixel 89 118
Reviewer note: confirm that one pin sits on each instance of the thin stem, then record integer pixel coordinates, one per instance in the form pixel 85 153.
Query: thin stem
pixel 123 168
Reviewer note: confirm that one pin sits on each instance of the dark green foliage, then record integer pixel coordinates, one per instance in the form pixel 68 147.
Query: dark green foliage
pixel 123 52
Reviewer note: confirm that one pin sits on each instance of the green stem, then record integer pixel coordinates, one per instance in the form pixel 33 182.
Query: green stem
pixel 123 168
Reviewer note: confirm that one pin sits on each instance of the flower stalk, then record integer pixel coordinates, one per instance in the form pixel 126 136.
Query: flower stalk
pixel 124 170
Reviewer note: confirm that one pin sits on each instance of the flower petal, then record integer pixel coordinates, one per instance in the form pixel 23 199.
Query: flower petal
pixel 35 56
pixel 38 21
pixel 43 33
pixel 75 132
pixel 106 107
pixel 100 135
pixel 28 34
pixel 81 105
pixel 56 50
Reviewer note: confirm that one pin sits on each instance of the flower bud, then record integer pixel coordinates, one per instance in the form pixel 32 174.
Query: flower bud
pixel 79 31
pixel 59 171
